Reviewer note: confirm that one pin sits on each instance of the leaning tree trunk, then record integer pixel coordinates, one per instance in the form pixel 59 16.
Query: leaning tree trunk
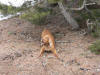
pixel 68 17
pixel 46 3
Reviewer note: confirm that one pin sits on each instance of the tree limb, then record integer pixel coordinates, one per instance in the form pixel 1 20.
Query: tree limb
pixel 82 7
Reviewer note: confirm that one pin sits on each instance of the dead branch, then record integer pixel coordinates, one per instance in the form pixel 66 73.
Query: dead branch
pixel 82 7
pixel 90 25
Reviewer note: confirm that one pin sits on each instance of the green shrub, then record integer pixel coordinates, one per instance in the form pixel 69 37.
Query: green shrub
pixel 41 9
pixel 81 2
pixel 95 29
pixel 38 16
pixel 96 32
pixel 96 12
pixel 95 47
pixel 5 9
pixel 53 1
pixel 94 15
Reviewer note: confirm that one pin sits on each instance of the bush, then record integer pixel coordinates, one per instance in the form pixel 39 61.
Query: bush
pixel 94 15
pixel 53 1
pixel 38 16
pixel 5 9
pixel 96 32
pixel 95 47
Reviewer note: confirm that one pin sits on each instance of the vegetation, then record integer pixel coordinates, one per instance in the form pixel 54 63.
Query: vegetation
pixel 96 32
pixel 95 47
pixel 5 9
pixel 38 16
pixel 86 15
pixel 94 15
pixel 53 1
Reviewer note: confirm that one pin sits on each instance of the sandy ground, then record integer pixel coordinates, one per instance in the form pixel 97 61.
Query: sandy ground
pixel 20 47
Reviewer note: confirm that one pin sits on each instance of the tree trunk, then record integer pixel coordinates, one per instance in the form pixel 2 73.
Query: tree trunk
pixel 45 3
pixel 68 17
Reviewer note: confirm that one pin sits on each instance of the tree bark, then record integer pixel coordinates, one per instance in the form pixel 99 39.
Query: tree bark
pixel 45 3
pixel 68 17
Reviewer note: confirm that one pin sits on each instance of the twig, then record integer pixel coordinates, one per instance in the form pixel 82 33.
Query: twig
pixel 62 41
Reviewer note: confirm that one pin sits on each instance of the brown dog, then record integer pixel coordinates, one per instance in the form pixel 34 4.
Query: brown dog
pixel 47 42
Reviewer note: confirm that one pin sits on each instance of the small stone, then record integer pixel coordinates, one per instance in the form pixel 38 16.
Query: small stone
pixel 84 69
pixel 17 54
pixel 31 55
pixel 98 70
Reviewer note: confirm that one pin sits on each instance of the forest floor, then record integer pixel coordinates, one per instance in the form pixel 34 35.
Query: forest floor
pixel 20 48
